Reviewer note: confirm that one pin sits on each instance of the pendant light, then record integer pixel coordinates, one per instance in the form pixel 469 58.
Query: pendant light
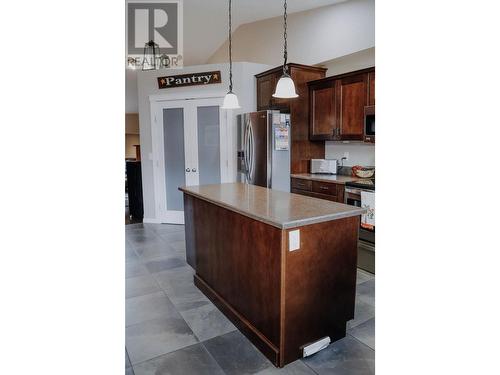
pixel 285 87
pixel 230 100
pixel 151 51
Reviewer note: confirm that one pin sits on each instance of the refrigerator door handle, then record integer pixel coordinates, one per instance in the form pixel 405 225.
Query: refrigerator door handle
pixel 246 150
pixel 251 151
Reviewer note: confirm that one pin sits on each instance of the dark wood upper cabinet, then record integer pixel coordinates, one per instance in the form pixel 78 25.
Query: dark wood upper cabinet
pixel 353 94
pixel 265 90
pixel 323 104
pixel 371 89
pixel 337 105
pixel 302 149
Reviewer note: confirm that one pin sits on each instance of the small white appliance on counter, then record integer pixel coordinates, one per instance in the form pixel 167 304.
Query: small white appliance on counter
pixel 324 166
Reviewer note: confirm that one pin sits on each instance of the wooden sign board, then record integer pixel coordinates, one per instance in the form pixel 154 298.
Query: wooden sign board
pixel 191 79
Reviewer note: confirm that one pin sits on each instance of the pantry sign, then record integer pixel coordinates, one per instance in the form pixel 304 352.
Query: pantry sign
pixel 191 79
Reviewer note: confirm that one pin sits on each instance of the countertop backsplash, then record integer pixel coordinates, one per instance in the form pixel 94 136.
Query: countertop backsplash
pixel 359 154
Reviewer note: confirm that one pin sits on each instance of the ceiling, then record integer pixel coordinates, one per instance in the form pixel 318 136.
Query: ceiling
pixel 206 24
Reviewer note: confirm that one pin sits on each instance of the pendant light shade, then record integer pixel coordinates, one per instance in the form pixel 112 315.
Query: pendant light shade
pixel 285 88
pixel 230 100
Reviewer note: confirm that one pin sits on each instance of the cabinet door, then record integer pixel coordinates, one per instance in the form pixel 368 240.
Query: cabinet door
pixel 371 93
pixel 265 90
pixel 323 122
pixel 353 95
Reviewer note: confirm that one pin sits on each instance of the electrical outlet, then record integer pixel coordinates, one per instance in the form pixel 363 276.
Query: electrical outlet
pixel 346 155
pixel 293 240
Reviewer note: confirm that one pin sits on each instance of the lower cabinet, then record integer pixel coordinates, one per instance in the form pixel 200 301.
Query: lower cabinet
pixel 318 189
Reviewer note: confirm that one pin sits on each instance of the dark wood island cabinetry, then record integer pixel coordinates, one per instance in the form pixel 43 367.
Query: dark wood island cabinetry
pixel 281 291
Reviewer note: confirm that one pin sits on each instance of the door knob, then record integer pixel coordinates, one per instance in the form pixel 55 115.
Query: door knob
pixel 194 169
pixel 188 170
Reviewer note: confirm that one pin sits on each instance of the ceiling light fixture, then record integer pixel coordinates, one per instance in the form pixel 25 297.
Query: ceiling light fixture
pixel 285 88
pixel 230 100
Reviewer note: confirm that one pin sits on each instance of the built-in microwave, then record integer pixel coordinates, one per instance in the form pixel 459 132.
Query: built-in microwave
pixel 369 129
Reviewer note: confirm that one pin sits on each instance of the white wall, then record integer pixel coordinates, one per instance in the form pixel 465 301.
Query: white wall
pixel 243 86
pixel 359 153
pixel 314 36
pixel 355 61
pixel 131 102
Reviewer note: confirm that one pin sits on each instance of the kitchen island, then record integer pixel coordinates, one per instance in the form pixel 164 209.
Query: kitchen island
pixel 280 266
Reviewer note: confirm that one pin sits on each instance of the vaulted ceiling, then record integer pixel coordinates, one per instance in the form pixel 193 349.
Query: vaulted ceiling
pixel 206 25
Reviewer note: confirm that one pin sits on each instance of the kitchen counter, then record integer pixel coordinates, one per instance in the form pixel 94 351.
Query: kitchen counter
pixel 280 266
pixel 279 209
pixel 338 179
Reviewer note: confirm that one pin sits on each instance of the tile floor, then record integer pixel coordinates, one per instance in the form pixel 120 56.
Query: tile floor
pixel 172 328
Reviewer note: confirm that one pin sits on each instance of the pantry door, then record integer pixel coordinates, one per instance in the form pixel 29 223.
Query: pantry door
pixel 190 133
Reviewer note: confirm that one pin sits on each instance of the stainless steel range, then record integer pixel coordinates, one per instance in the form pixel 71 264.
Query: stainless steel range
pixel 366 243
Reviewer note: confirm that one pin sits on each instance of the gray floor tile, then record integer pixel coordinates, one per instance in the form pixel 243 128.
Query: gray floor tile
pixel 155 251
pixel 236 355
pixel 179 246
pixel 294 368
pixel 127 359
pixel 194 360
pixel 363 276
pixel 366 292
pixel 207 322
pixel 179 287
pixel 347 356
pixel 144 240
pixel 173 237
pixel 163 264
pixel 168 228
pixel 153 338
pixel 140 285
pixel 147 307
pixel 365 332
pixel 362 312
pixel 130 254
pixel 135 268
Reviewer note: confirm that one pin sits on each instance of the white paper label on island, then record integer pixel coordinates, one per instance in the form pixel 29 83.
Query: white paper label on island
pixel 293 240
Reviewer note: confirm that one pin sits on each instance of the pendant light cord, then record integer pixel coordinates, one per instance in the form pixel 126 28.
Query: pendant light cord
pixel 230 53
pixel 285 52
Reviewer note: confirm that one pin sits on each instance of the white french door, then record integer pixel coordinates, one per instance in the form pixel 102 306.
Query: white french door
pixel 187 138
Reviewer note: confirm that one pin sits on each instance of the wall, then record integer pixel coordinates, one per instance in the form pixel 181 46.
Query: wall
pixel 355 61
pixel 131 91
pixel 359 154
pixel 130 141
pixel 131 123
pixel 314 36
pixel 243 86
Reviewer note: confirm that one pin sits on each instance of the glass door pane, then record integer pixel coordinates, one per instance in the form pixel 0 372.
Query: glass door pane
pixel 173 138
pixel 208 144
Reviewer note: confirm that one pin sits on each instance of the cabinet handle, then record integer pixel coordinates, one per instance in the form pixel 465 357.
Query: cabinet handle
pixel 188 170
pixel 194 169
pixel 323 187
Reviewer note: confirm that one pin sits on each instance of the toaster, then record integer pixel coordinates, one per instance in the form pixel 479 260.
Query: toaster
pixel 325 166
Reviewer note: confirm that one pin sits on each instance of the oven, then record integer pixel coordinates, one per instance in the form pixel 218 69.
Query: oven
pixel 366 243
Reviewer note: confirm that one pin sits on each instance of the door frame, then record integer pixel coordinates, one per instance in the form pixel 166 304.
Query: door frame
pixel 157 103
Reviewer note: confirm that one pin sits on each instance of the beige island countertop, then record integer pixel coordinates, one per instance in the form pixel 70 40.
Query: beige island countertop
pixel 279 209
pixel 336 178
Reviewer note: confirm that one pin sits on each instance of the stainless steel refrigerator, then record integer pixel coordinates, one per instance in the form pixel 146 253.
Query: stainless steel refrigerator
pixel 264 149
